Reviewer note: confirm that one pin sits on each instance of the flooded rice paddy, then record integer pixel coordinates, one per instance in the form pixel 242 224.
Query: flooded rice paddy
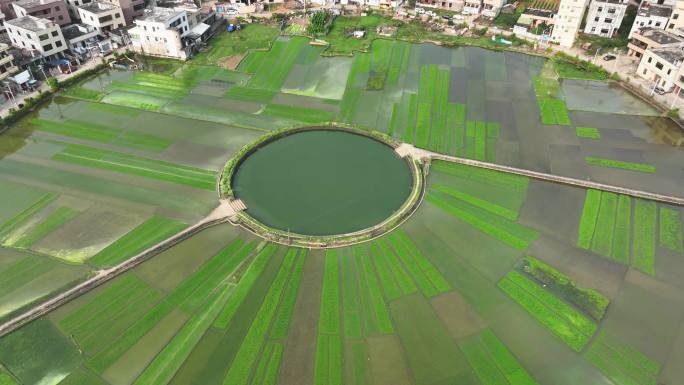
pixel 495 279
pixel 322 182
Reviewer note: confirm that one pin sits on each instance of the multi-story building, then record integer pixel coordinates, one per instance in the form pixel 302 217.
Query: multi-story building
pixel 102 16
pixel 662 66
pixel 605 16
pixel 492 8
pixel 567 21
pixel 53 10
pixel 651 15
pixel 7 66
pixel 40 35
pixel 159 32
pixel 131 8
pixel 472 7
pixel 7 9
pixel 450 5
pixel 677 18
pixel 650 38
pixel 79 37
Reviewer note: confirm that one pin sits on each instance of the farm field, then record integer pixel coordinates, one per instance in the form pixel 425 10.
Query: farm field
pixel 496 278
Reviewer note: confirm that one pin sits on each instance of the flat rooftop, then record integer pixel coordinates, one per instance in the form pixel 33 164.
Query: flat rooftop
pixel 655 10
pixel 659 36
pixel 98 7
pixel 671 55
pixel 159 15
pixel 34 3
pixel 74 31
pixel 31 23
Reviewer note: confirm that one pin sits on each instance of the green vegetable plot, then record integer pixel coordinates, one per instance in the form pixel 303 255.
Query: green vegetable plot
pixel 622 363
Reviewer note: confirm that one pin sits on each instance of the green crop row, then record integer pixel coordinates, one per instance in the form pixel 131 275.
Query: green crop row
pixel 492 362
pixel 412 111
pixel 403 279
pixel 645 213
pixel 267 371
pixel 24 270
pixel 245 285
pixel 194 289
pixel 508 181
pixel 351 299
pixel 301 114
pixel 380 56
pixel 392 126
pixel 150 232
pixel 276 64
pixel 623 226
pixel 621 363
pixel 5 379
pixel 671 229
pixel 440 111
pixel 169 360
pixel 588 132
pixel 477 202
pixel 149 89
pixel 389 286
pixel 398 62
pixel 417 262
pixel 455 123
pixel 352 94
pixel 250 94
pixel 423 125
pixel 602 243
pixel 134 165
pixel 27 213
pixel 556 323
pixel 80 377
pixel 587 225
pixel 509 232
pixel 246 357
pixel 330 296
pixel 588 300
pixel 641 167
pixel 135 100
pixel 281 326
pixel 411 263
pixel 374 293
pixel 78 92
pixel 576 319
pixel 52 222
pixel 328 365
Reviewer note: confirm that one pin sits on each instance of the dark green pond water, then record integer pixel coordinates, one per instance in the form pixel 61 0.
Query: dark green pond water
pixel 323 182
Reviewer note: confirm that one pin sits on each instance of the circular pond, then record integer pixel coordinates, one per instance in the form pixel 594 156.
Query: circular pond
pixel 322 182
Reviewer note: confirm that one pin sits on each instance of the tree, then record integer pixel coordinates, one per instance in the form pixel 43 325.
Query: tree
pixel 317 23
pixel 53 83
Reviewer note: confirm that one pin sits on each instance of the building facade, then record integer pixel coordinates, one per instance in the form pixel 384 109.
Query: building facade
pixel 40 35
pixel 472 7
pixel 53 10
pixel 491 8
pixel 605 16
pixel 649 38
pixel 102 16
pixel 676 21
pixel 159 32
pixel 449 5
pixel 651 15
pixel 567 21
pixel 131 9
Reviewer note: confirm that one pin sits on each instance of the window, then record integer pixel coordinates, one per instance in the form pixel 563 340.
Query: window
pixel 47 47
pixel 611 10
pixel 593 29
pixel 675 16
pixel 55 33
pixel 116 15
pixel 600 9
pixel 596 18
pixel 43 37
pixel 58 43
pixel 657 24
pixel 33 46
pixel 659 65
pixel 607 20
pixel 60 17
pixel 649 59
pixel 669 71
pixel 57 8
pixel 645 71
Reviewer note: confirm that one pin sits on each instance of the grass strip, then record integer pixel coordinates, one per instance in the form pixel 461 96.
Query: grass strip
pixel 630 166
pixel 587 225
pixel 302 114
pixel 602 243
pixel 403 279
pixel 350 299
pixel 250 94
pixel 671 229
pixel 421 262
pixel 150 232
pixel 165 365
pixel 389 286
pixel 52 222
pixel 246 357
pixel 423 125
pixel 621 363
pixel 244 286
pixel 505 360
pixel 482 363
pixel 644 236
pixel 328 365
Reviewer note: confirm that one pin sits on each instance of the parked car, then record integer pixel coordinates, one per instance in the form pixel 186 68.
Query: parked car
pixel 609 57
pixel 659 91
pixel 231 11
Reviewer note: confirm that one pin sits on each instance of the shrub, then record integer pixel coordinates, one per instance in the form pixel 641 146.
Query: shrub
pixel 317 23
pixel 673 113
pixel 53 83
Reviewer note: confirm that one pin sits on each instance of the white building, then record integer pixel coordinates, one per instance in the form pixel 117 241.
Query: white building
pixel 651 15
pixel 605 16
pixel 492 8
pixel 567 21
pixel 662 66
pixel 159 32
pixel 7 66
pixel 472 7
pixel 32 33
pixel 676 21
pixel 102 16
